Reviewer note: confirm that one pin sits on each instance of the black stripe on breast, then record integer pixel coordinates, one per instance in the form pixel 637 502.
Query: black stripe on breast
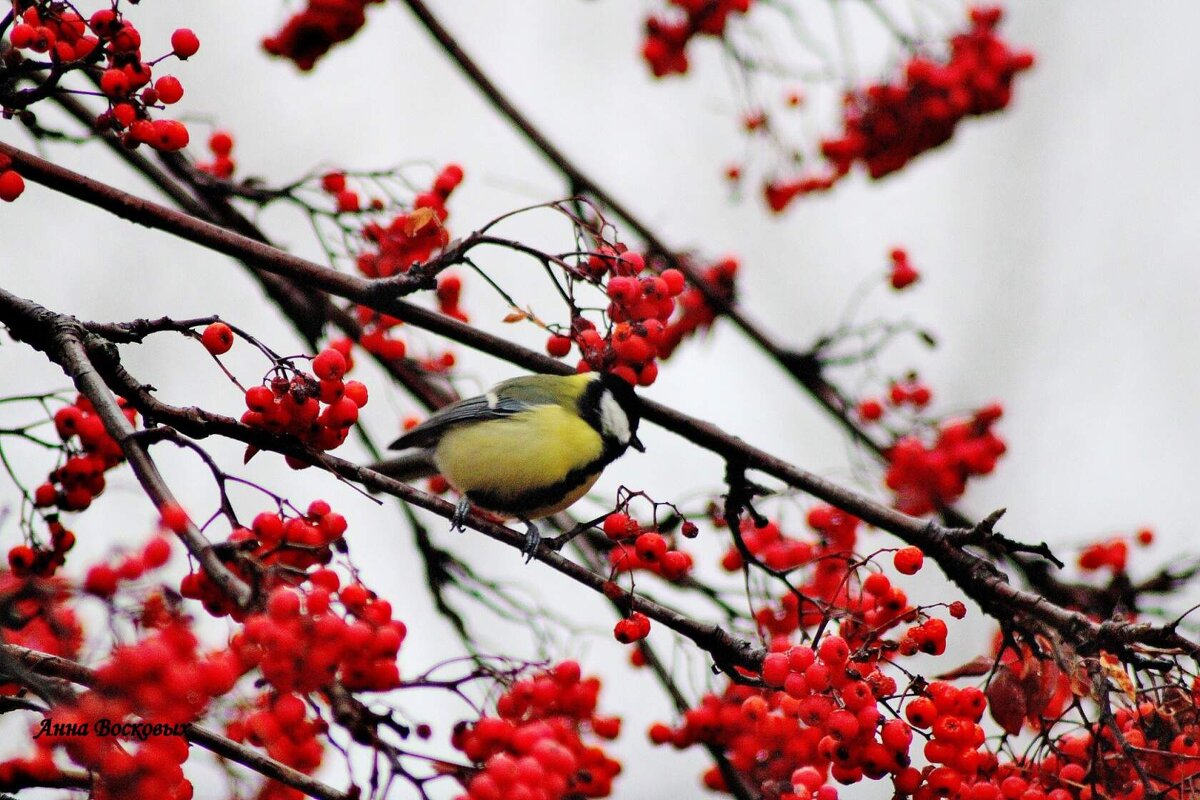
pixel 542 496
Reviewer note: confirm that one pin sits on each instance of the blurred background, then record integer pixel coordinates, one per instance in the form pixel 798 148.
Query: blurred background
pixel 1056 243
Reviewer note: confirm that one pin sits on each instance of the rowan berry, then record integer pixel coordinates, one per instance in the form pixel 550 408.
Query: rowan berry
pixel 174 518
pixel 329 365
pixel 908 560
pixel 11 185
pixel 618 526
pixel 775 669
pixel 921 712
pixel 558 346
pixel 184 43
pixel 168 135
pixel 650 546
pixel 870 410
pixel 169 89
pixel 217 338
pixel 156 553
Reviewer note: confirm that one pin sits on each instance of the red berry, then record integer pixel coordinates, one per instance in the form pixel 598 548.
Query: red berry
pixel 168 135
pixel 908 560
pixel 174 518
pixel 775 669
pixel 650 546
pixel 558 346
pixel 870 410
pixel 220 143
pixel 157 552
pixel 357 392
pixel 11 185
pixel 674 280
pixel 184 43
pixel 101 580
pixel 618 526
pixel 169 89
pixel 217 338
pixel 114 82
pixel 45 495
pixel 333 182
pixel 329 365
pixel 21 559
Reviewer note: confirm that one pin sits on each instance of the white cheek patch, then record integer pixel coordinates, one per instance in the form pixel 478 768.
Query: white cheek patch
pixel 613 420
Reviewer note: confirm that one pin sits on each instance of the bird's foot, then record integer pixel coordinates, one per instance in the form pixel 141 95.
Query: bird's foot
pixel 533 540
pixel 458 521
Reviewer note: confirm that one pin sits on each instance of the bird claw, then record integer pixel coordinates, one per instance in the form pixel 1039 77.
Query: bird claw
pixel 533 540
pixel 458 521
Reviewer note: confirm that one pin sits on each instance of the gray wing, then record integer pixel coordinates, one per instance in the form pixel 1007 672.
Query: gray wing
pixel 473 409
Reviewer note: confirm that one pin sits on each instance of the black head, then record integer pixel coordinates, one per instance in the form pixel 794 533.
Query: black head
pixel 610 406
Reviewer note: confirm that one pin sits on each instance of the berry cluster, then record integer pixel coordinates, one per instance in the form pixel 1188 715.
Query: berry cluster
pixel 829 556
pixel 409 238
pixel 907 392
pixel 125 79
pixel 638 310
pixel 666 40
pixel 694 312
pixel 301 645
pixel 279 723
pixel 1080 765
pixel 58 32
pixel 311 33
pixel 103 579
pixel 38 617
pixel 163 681
pixel 39 560
pixel 926 478
pixel 273 540
pixel 319 408
pixel 220 144
pixel 11 182
pixel 535 745
pixel 1112 553
pixel 816 720
pixel 651 551
pixel 74 485
pixel 887 125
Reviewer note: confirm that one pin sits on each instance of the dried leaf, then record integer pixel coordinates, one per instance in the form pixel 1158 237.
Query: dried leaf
pixel 418 219
pixel 1117 676
pixel 1006 700
pixel 515 316
pixel 981 665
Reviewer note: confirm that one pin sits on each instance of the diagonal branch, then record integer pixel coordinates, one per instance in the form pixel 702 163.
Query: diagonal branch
pixel 63 340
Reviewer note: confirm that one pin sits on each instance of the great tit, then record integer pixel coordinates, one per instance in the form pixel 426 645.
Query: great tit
pixel 529 447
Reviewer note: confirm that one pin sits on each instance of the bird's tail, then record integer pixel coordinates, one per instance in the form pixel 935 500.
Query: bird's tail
pixel 408 466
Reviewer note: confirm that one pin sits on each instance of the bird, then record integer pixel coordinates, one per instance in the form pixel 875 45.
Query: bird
pixel 529 447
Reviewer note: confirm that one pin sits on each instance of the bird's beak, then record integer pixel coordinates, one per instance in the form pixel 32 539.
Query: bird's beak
pixel 636 444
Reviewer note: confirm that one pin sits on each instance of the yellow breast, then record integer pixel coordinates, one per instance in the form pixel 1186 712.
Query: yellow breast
pixel 531 464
